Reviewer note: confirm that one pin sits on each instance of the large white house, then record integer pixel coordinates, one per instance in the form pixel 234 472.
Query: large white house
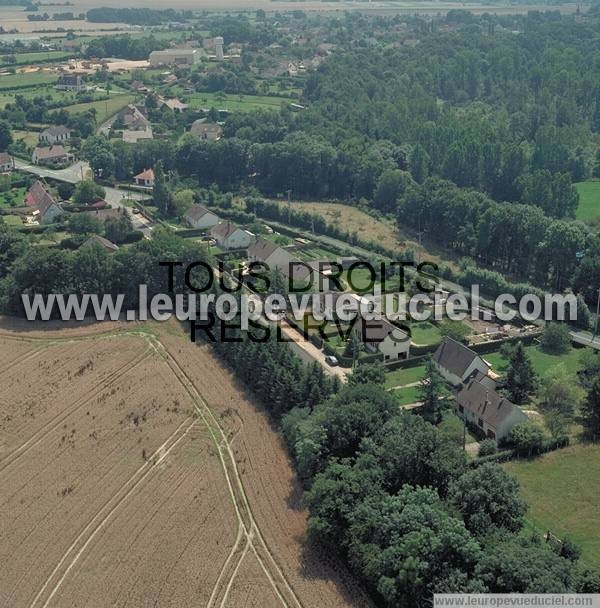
pixel 198 216
pixel 55 135
pixel 230 236
pixel 456 362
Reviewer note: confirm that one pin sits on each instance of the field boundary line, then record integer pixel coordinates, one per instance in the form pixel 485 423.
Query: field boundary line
pixel 198 399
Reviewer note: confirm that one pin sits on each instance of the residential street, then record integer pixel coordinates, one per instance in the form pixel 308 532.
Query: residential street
pixel 114 196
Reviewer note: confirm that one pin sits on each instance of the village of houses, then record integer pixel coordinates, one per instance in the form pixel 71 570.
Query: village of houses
pixel 469 376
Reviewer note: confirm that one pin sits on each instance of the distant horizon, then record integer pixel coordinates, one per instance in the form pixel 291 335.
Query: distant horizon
pixel 380 6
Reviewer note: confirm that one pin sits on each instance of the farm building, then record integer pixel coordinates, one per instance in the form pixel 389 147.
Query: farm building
pixel 174 57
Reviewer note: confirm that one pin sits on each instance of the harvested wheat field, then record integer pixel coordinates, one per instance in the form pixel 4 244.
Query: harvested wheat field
pixel 136 472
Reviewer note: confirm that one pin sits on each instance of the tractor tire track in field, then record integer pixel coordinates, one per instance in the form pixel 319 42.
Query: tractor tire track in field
pixel 108 510
pixel 277 579
pixel 54 422
pixel 26 356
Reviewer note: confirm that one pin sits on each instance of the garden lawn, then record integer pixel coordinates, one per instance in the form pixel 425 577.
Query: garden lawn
pixel 12 220
pixel 408 375
pixel 30 138
pixel 37 57
pixel 425 333
pixel 12 81
pixel 561 489
pixel 104 109
pixel 406 396
pixel 589 201
pixel 235 103
pixel 542 361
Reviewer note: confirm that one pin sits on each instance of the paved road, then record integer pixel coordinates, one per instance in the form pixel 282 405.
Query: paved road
pixel 308 352
pixel 586 339
pixel 114 197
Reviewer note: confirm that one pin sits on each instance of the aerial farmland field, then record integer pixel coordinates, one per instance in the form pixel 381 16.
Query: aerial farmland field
pixel 135 470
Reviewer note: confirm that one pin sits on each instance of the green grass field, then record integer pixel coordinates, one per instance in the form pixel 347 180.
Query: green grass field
pixel 400 377
pixel 405 396
pixel 10 81
pixel 235 103
pixel 104 109
pixel 425 333
pixel 589 201
pixel 32 58
pixel 30 138
pixel 542 361
pixel 561 489
pixel 12 220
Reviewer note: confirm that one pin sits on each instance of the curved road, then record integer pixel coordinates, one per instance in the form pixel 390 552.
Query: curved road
pixel 79 171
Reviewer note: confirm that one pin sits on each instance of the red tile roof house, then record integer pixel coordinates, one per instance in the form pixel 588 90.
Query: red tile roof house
pixel 7 162
pixel 48 210
pixel 145 178
pixel 54 155
pixel 38 195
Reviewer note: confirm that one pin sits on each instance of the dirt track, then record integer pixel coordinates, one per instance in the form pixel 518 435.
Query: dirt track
pixel 135 472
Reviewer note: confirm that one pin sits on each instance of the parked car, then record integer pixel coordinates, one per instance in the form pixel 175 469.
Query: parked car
pixel 331 360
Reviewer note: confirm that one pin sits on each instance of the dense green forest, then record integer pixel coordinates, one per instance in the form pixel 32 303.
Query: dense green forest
pixel 475 135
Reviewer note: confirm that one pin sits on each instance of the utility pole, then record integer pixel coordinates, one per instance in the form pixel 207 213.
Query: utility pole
pixel 289 199
pixel 597 311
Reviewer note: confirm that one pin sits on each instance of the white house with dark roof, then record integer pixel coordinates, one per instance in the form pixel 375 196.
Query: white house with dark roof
pixel 230 236
pixel 55 134
pixel 7 162
pixel 276 257
pixel 456 362
pixel 382 336
pixel 478 403
pixel 198 216
pixel 70 82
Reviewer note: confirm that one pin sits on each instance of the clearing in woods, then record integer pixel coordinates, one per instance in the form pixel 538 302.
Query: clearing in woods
pixel 135 471
pixel 369 228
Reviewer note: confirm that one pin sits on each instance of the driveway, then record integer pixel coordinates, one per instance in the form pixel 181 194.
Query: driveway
pixel 308 352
